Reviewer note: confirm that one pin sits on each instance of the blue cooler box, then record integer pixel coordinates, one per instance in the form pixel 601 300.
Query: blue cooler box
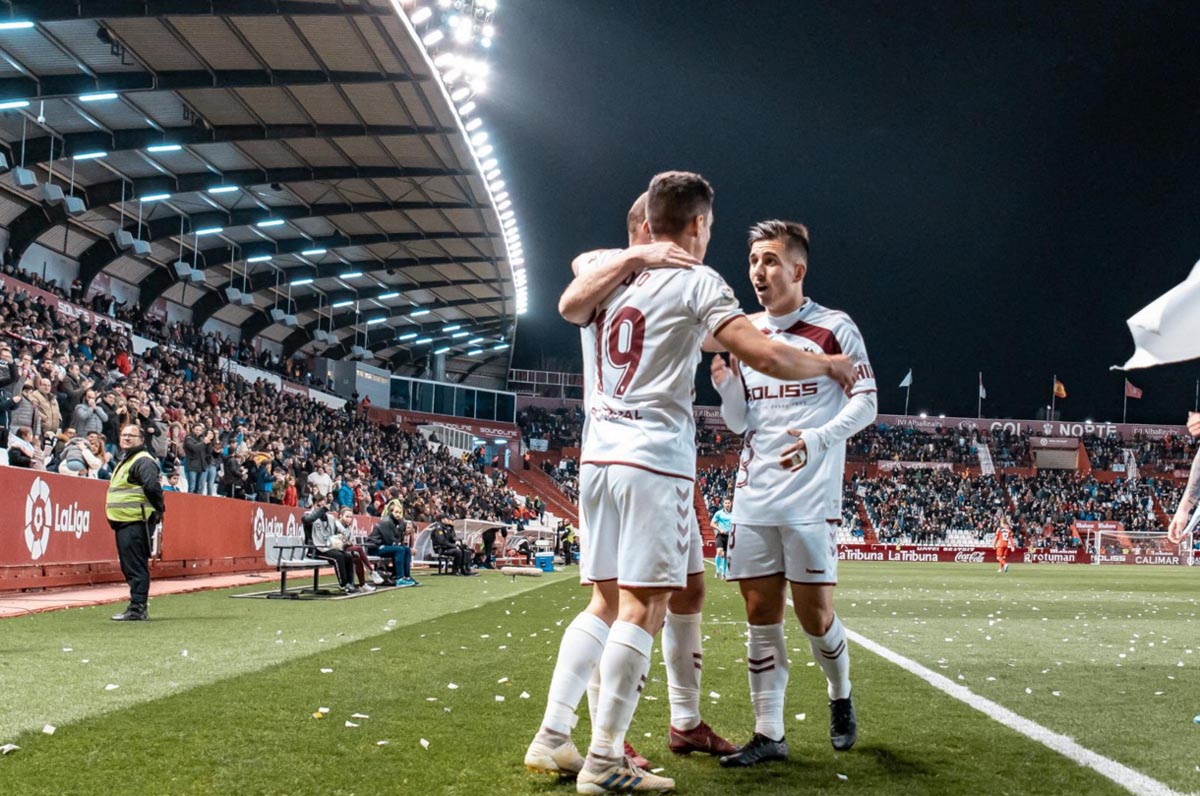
pixel 544 562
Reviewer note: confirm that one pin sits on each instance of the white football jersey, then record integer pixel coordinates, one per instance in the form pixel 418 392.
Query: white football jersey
pixel 587 336
pixel 766 493
pixel 646 345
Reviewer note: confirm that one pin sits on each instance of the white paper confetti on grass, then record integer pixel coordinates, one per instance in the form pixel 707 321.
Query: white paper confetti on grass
pixel 327 671
pixel 111 687
pixel 452 686
pixel 376 649
pixel 713 695
pixel 67 649
pixel 382 743
pixel 843 777
pixel 322 710
pixel 801 716
pixel 658 770
pixel 524 695
pixel 431 699
pixel 499 698
pixel 502 680
pixel 8 747
pixel 183 653
pixel 49 729
pixel 360 716
pixel 351 724
pixel 424 744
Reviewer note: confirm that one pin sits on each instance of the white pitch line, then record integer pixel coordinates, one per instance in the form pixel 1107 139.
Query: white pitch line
pixel 1133 781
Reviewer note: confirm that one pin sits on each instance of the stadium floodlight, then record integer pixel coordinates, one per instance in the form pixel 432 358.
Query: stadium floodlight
pixel 500 197
pixel 496 185
pixel 491 175
pixel 209 231
pixel 479 138
pixel 424 340
pixel 8 105
pixel 507 203
pixel 923 415
pixel 101 96
pixel 16 24
pixel 391 294
pixel 474 352
pixel 155 197
pixel 315 253
pixel 224 189
pixel 454 327
pixel 157 148
pixel 486 41
pixel 459 335
pixel 506 215
pixel 460 94
pixel 407 336
pixel 474 124
pixel 442 350
pixel 488 30
pixel 484 150
pixel 351 275
pixel 500 347
pixel 91 155
pixel 259 258
pixel 270 222
pixel 467 109
pixel 373 321
pixel 421 14
pixel 489 164
pixel 308 280
pixel 433 37
pixel 452 76
pixel 337 305
pixel 475 341
pixel 510 225
pixel 419 313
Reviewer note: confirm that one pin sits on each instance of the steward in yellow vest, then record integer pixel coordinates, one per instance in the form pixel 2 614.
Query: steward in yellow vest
pixel 134 506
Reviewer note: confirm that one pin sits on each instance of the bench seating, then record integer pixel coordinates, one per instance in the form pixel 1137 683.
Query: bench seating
pixel 286 554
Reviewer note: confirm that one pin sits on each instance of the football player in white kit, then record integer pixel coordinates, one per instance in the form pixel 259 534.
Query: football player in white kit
pixel 638 463
pixel 788 491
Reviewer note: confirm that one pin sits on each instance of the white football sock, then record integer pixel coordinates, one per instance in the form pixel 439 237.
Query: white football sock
pixel 623 669
pixel 580 650
pixel 593 692
pixel 684 656
pixel 832 654
pixel 767 662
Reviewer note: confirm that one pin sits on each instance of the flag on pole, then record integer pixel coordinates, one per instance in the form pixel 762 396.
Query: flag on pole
pixel 907 379
pixel 1131 391
pixel 1060 391
pixel 982 391
pixel 1168 328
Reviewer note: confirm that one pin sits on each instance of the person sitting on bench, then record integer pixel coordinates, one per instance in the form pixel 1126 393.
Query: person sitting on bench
pixel 446 545
pixel 388 538
pixel 357 553
pixel 319 532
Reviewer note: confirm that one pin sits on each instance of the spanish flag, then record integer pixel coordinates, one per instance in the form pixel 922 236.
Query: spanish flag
pixel 1060 391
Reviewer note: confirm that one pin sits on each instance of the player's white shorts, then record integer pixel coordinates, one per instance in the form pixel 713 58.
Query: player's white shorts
pixel 802 553
pixel 637 528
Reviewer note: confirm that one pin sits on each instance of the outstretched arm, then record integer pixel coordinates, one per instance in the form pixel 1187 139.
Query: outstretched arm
pixel 588 289
pixel 779 360
pixel 729 385
pixel 1187 502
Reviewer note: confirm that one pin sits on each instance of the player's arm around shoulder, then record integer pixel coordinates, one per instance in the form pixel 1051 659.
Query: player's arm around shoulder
pixel 779 360
pixel 597 276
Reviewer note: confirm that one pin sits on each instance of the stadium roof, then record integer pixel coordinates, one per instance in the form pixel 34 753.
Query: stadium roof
pixel 308 153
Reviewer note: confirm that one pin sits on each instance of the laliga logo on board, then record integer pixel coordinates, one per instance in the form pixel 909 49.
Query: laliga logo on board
pixel 265 526
pixel 42 517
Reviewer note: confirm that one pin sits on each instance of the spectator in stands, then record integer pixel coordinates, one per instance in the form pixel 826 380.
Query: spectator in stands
pixel 357 553
pixel 77 458
pixel 23 452
pixel 389 538
pixel 87 416
pixel 195 455
pixel 319 481
pixel 47 407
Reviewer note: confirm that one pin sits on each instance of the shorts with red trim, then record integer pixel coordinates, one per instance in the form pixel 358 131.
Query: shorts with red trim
pixel 801 552
pixel 637 527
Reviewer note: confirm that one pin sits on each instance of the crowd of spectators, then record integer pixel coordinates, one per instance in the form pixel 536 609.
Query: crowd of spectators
pixel 560 428
pixel 67 388
pixel 566 475
pixel 1155 455
pixel 1048 502
pixel 920 506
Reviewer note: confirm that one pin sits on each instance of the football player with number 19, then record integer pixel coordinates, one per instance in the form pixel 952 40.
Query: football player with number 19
pixel 788 492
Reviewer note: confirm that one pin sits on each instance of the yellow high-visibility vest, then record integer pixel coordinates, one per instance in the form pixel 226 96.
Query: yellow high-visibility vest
pixel 126 501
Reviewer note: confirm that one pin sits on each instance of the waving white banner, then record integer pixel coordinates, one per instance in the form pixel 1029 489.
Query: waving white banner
pixel 1168 328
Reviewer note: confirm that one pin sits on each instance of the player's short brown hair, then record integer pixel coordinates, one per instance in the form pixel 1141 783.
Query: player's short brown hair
pixel 636 216
pixel 792 233
pixel 674 199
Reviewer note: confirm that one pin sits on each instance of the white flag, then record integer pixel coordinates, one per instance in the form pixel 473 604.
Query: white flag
pixel 982 391
pixel 907 379
pixel 1168 328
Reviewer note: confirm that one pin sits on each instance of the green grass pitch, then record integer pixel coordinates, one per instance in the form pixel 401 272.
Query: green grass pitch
pixel 1106 655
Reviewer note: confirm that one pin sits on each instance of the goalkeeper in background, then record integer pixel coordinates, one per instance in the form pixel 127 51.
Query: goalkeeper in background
pixel 1191 493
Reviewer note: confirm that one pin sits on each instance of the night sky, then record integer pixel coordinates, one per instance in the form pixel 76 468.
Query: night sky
pixel 990 187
